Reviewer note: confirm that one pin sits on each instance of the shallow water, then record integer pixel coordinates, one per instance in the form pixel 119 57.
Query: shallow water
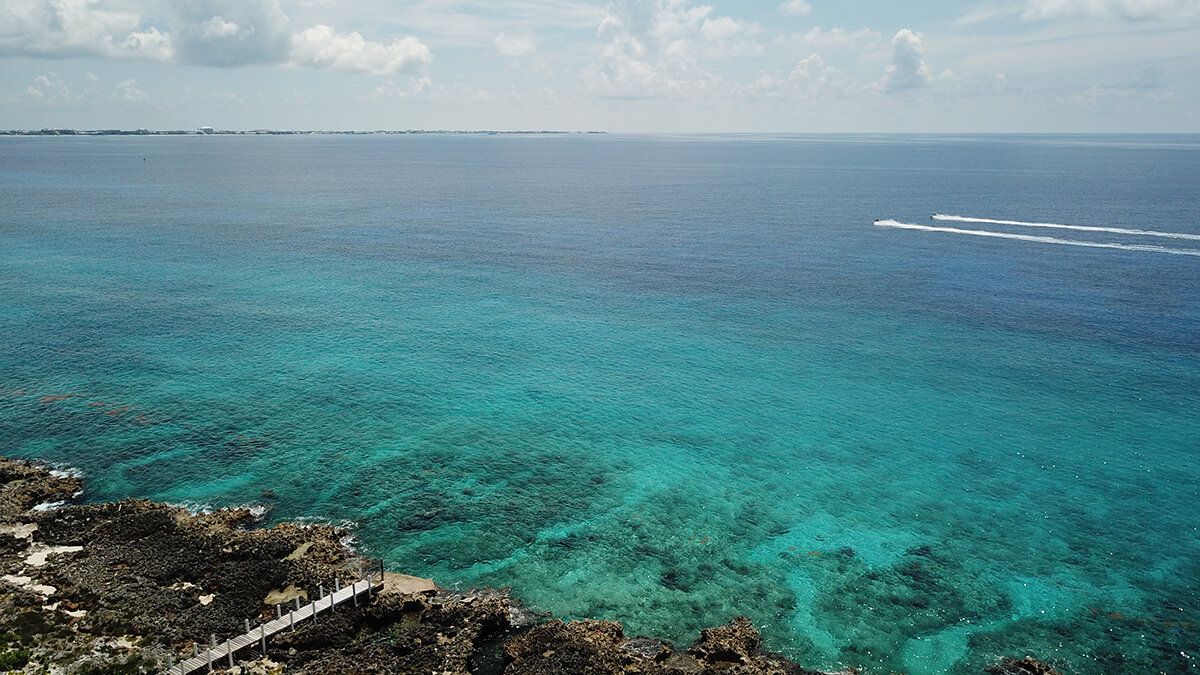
pixel 666 380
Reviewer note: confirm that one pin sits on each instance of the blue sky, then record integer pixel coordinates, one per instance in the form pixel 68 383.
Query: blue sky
pixel 614 65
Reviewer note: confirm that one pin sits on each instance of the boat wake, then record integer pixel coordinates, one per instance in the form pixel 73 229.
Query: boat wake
pixel 1035 238
pixel 1079 228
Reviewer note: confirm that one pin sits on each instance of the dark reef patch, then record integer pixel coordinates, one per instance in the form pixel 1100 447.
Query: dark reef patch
pixel 128 585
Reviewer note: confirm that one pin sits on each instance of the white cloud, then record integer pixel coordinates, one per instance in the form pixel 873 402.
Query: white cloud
pixel 811 68
pixel 206 32
pixel 815 79
pixel 50 89
pixel 217 27
pixel 150 44
pixel 71 28
pixel 1132 10
pixel 986 12
pixel 1043 10
pixel 908 69
pixel 820 78
pixel 658 46
pixel 811 79
pixel 323 48
pixel 229 32
pixel 514 45
pixel 128 91
pixel 724 28
pixel 795 7
pixel 416 87
pixel 475 23
pixel 223 33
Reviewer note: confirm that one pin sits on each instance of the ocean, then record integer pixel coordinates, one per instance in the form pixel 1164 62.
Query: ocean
pixel 667 380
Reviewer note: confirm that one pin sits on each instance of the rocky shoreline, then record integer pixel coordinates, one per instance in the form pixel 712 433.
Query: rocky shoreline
pixel 127 587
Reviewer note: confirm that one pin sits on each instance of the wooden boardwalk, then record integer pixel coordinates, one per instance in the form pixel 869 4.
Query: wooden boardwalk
pixel 222 655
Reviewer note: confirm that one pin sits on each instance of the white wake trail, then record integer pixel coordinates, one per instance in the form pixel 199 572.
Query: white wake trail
pixel 1039 239
pixel 1080 228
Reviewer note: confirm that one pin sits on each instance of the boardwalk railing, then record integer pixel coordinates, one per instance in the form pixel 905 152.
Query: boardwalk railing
pixel 215 653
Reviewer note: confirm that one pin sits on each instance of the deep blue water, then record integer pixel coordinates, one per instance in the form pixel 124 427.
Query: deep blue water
pixel 666 380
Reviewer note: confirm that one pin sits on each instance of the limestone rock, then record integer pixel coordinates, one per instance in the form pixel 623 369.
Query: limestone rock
pixel 24 485
pixel 1026 666
pixel 734 645
pixel 406 585
pixel 600 647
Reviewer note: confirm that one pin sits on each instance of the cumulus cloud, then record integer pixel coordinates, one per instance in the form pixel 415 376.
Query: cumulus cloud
pixel 49 89
pixel 128 91
pixel 230 32
pixel 814 78
pixel 322 48
pixel 151 44
pixel 812 68
pixel 811 79
pixel 795 7
pixel 658 46
pixel 817 79
pixel 514 45
pixel 1132 10
pixel 222 33
pixel 908 69
pixel 70 28
pixel 416 87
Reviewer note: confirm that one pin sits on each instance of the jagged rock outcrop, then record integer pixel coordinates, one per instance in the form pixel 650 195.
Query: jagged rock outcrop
pixel 1025 666
pixel 601 648
pixel 24 485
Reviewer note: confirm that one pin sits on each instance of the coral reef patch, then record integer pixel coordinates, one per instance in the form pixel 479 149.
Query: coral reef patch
pixel 131 586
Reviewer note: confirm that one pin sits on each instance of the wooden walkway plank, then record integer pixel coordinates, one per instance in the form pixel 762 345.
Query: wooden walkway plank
pixel 219 655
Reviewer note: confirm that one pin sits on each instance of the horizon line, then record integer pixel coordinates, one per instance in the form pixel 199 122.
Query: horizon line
pixel 210 131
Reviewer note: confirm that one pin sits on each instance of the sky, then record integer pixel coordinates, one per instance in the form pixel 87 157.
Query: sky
pixel 953 66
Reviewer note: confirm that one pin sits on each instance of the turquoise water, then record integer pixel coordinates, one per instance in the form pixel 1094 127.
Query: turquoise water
pixel 666 380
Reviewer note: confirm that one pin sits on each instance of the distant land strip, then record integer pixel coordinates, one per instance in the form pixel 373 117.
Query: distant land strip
pixel 209 131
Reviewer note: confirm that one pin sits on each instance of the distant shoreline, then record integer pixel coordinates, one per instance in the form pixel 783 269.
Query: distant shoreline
pixel 205 131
